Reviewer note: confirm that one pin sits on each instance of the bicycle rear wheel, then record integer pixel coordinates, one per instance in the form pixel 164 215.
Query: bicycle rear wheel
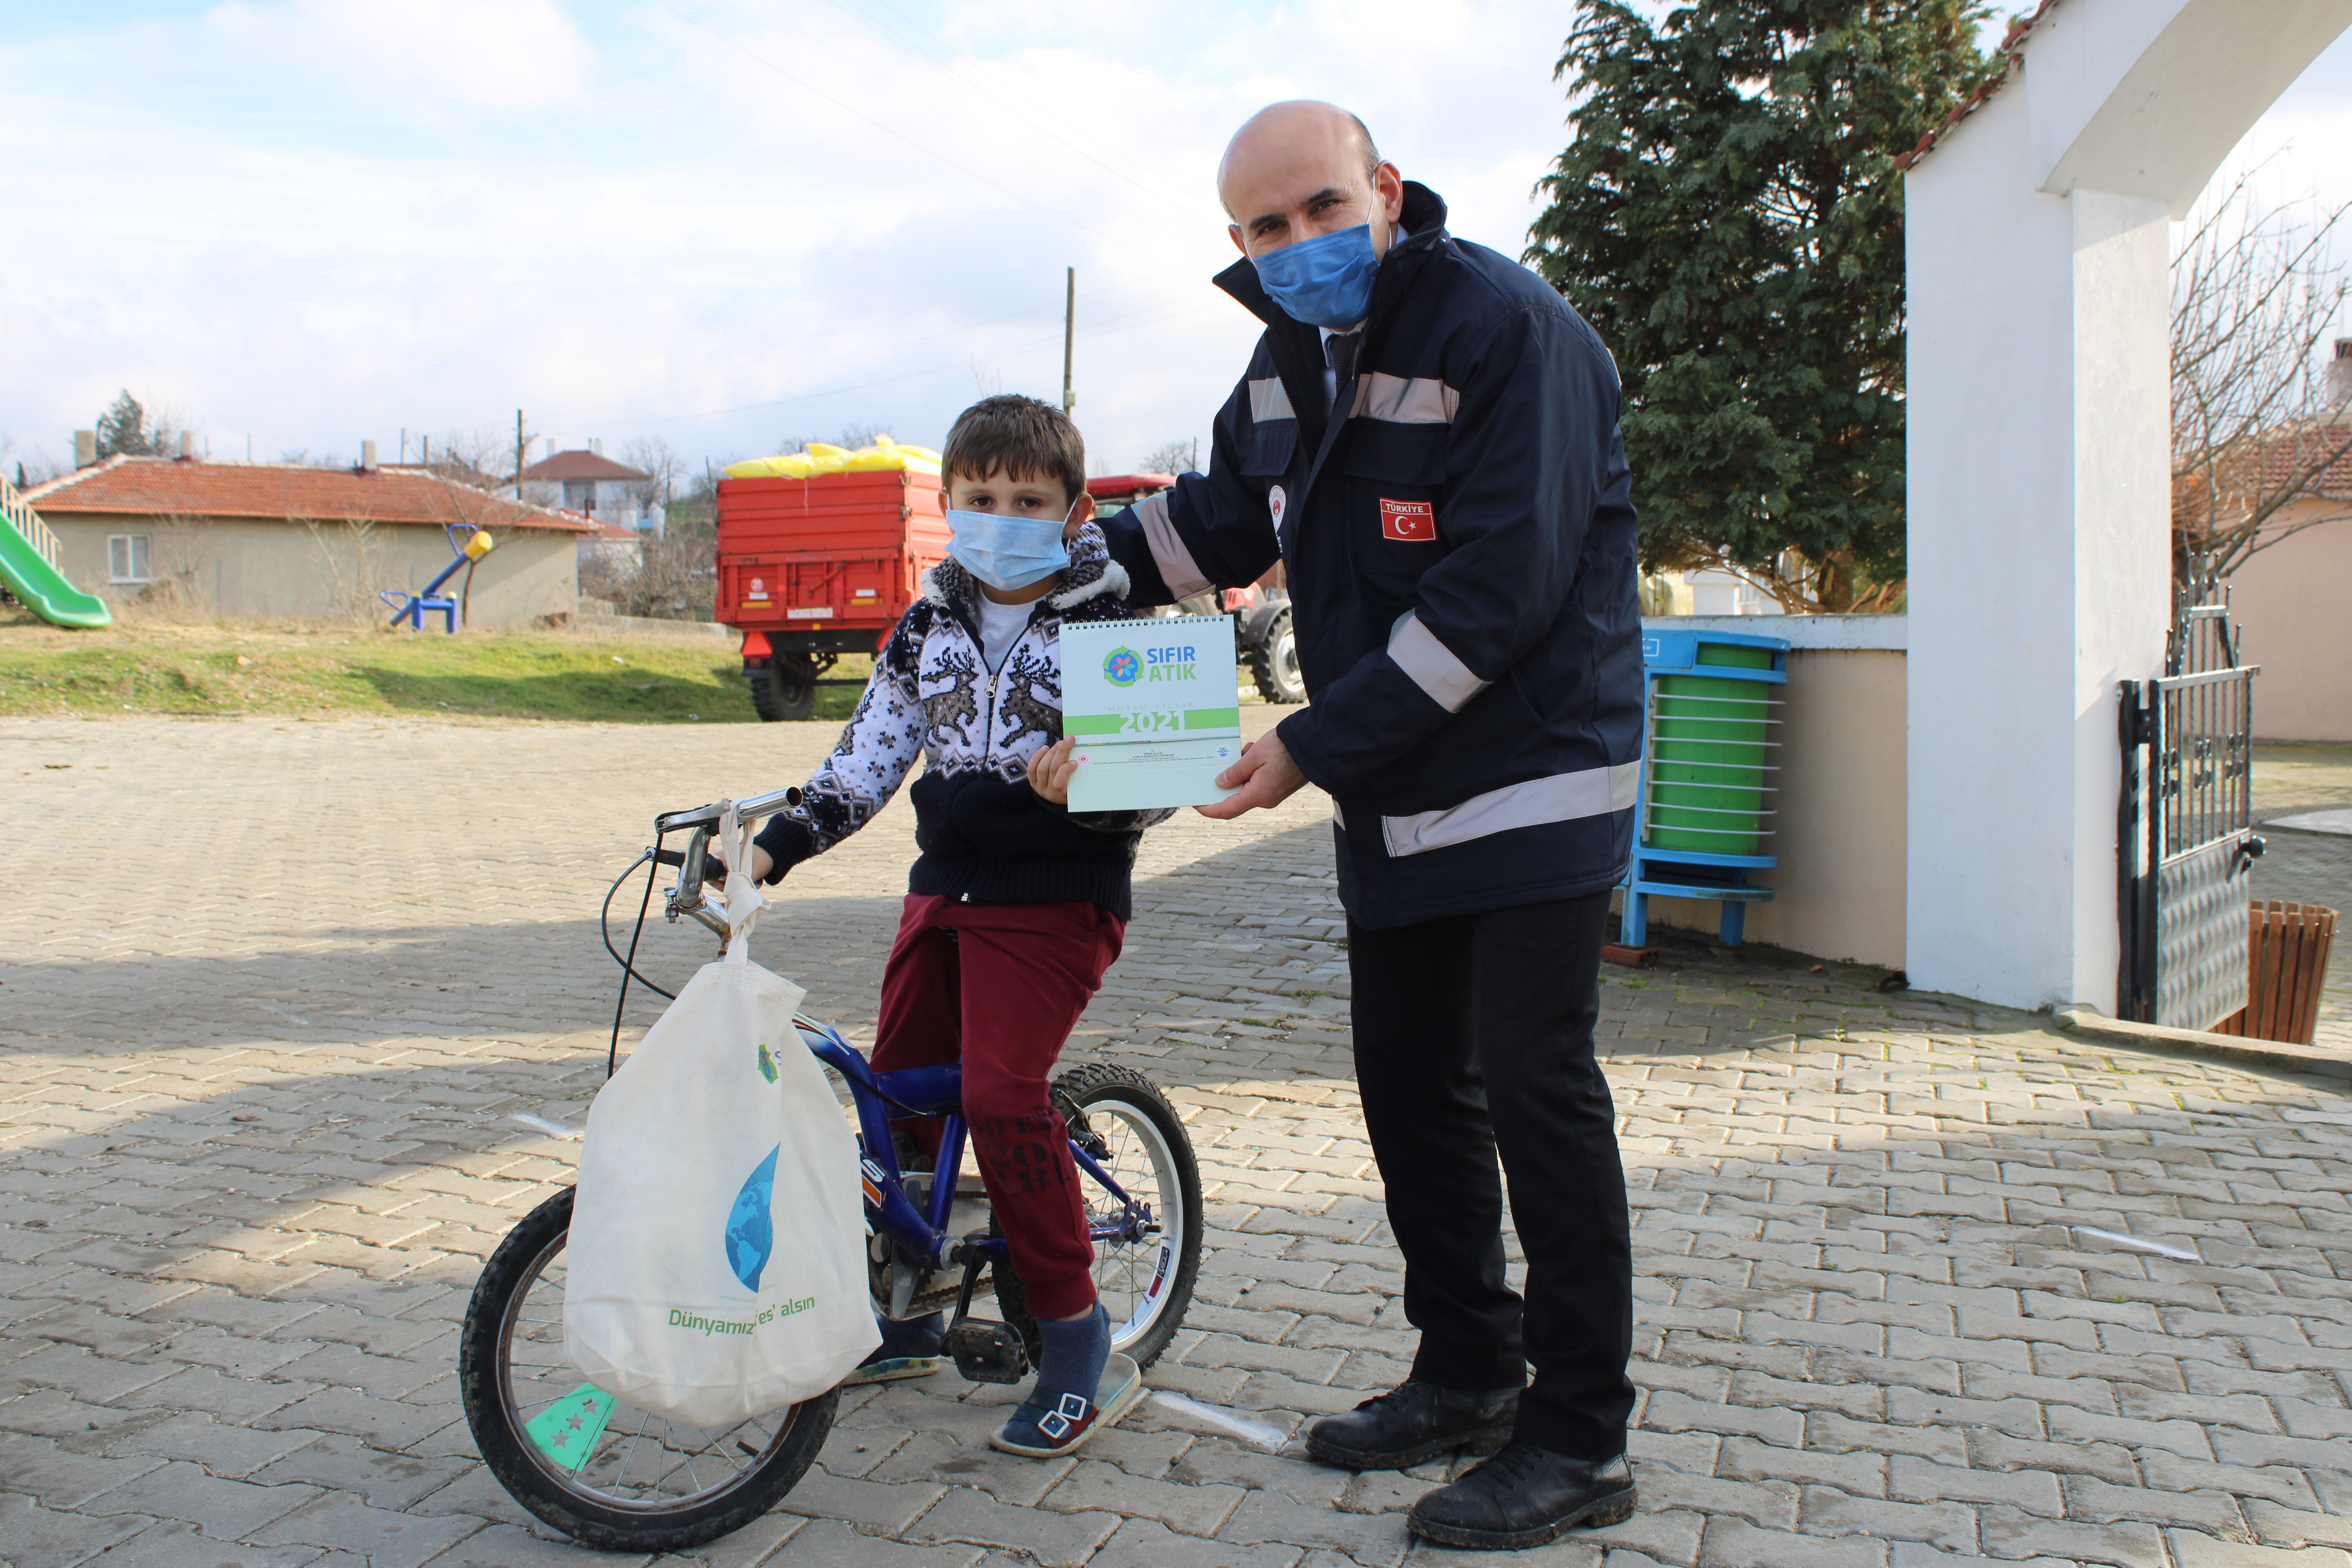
pixel 644 1484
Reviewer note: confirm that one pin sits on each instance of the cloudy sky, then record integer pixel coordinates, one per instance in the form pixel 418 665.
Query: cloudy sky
pixel 297 224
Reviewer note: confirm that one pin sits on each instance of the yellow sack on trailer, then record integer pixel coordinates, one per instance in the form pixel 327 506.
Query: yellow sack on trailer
pixel 824 457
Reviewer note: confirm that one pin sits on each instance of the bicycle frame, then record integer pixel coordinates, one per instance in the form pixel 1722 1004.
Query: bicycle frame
pixel 932 1091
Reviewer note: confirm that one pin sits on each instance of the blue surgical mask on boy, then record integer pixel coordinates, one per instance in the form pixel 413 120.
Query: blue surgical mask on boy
pixel 1008 553
pixel 1325 281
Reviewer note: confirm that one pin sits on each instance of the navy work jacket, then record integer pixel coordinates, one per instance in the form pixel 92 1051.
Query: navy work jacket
pixel 1460 545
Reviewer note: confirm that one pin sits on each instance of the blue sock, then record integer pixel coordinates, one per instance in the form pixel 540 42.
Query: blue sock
pixel 1074 1356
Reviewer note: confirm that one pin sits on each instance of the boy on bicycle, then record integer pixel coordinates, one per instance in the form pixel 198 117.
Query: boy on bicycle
pixel 1015 905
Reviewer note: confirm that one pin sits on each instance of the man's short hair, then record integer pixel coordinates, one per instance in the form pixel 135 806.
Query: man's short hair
pixel 1022 438
pixel 1372 154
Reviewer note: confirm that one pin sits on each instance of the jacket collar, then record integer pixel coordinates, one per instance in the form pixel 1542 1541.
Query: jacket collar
pixel 1091 574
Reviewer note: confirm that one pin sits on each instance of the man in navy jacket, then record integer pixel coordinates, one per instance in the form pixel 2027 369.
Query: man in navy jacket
pixel 1427 436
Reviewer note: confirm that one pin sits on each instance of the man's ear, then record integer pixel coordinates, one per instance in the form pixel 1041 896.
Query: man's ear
pixel 1082 512
pixel 1388 190
pixel 1234 230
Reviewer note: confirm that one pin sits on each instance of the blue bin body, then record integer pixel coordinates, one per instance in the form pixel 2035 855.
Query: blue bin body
pixel 1708 751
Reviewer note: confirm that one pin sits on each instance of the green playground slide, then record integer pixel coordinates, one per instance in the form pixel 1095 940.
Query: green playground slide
pixel 40 586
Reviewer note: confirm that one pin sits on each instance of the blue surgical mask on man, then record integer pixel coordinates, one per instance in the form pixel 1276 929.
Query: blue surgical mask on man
pixel 1008 553
pixel 1325 281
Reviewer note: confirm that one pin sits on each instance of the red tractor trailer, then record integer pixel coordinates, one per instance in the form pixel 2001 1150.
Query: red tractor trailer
pixel 811 569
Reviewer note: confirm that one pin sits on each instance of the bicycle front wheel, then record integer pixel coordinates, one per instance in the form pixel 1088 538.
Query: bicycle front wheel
pixel 608 1475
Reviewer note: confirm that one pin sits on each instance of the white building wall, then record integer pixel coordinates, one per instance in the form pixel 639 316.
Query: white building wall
pixel 2039 566
pixel 1991 580
pixel 2038 559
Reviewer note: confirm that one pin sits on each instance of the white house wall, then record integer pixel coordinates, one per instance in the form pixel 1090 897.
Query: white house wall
pixel 263 568
pixel 2293 604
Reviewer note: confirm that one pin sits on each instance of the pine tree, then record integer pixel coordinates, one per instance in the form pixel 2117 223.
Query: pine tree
pixel 122 430
pixel 1730 218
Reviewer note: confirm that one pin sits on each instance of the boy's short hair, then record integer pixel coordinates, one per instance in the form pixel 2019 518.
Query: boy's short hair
pixel 1022 438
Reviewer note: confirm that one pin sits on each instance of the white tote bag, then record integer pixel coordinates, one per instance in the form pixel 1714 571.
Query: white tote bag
pixel 717 1260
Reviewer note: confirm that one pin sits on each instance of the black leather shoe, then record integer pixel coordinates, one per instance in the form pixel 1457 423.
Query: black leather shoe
pixel 1414 1424
pixel 1524 1497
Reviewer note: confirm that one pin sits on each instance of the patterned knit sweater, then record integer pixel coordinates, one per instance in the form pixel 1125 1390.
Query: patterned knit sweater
pixel 984 835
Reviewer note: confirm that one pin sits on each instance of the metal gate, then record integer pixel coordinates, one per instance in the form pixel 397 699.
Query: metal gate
pixel 2187 843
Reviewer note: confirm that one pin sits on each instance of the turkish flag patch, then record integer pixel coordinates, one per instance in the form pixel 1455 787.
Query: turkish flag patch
pixel 1414 521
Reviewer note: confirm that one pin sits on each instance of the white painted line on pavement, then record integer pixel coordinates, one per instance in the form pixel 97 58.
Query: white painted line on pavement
pixel 1270 1438
pixel 2137 1244
pixel 541 1124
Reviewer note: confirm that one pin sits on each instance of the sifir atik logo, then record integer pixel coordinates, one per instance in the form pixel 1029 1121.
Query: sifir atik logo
pixel 1122 667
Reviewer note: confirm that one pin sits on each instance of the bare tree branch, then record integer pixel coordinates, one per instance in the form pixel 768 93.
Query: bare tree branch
pixel 2257 426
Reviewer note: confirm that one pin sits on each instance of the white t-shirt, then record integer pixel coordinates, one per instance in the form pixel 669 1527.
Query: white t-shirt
pixel 1000 626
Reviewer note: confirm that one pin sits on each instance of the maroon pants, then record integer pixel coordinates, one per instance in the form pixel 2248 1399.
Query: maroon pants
pixel 1000 987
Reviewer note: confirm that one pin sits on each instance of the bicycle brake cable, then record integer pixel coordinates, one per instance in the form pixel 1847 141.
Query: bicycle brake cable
pixel 651 859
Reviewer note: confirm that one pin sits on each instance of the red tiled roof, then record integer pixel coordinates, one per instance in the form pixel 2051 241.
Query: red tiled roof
pixel 2287 458
pixel 2259 473
pixel 2011 50
pixel 167 487
pixel 579 466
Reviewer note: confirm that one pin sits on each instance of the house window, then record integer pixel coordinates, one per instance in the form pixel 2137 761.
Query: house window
pixel 126 558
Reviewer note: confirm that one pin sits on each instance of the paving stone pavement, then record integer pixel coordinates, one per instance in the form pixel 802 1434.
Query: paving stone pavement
pixel 270 993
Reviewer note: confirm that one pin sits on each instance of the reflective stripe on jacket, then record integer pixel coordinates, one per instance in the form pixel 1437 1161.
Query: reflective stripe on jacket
pixel 1461 556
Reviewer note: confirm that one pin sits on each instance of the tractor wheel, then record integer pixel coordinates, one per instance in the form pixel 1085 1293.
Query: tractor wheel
pixel 1274 663
pixel 786 689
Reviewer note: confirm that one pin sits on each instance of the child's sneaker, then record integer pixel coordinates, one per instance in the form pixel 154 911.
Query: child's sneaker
pixel 1038 1433
pixel 910 1348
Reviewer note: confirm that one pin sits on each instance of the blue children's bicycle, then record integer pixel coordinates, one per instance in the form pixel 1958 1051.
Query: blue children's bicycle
pixel 622 1479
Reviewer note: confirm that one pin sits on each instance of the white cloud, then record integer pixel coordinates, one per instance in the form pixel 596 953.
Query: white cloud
pixel 316 221
pixel 419 58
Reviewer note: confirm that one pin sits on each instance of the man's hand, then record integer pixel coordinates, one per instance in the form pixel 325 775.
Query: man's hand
pixel 1264 775
pixel 1050 769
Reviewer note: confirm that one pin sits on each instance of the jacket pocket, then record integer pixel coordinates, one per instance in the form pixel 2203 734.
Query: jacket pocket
pixel 1395 478
pixel 1270 449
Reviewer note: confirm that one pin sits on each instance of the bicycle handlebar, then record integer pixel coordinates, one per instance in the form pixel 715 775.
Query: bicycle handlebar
pixel 686 896
pixel 748 809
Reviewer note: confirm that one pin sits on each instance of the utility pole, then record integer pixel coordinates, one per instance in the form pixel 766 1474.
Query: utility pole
pixel 520 442
pixel 1069 334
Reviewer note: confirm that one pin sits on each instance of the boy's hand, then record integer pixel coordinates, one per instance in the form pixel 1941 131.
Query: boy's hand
pixel 1263 777
pixel 762 864
pixel 1050 768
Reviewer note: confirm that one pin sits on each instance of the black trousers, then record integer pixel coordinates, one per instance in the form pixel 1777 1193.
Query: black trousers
pixel 1474 1036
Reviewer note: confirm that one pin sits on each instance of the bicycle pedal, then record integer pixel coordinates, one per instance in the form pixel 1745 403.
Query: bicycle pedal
pixel 987 1352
